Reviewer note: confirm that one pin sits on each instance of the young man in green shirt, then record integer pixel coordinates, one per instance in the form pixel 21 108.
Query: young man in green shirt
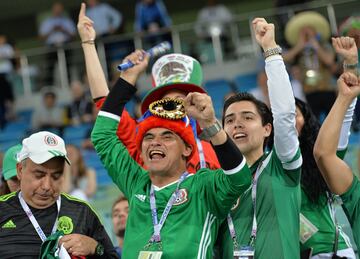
pixel 264 223
pixel 335 171
pixel 173 214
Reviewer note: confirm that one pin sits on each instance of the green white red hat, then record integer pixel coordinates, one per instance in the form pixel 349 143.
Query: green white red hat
pixel 173 71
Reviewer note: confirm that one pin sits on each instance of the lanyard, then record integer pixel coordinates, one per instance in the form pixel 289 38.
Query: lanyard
pixel 33 219
pixel 201 153
pixel 333 216
pixel 253 197
pixel 254 223
pixel 159 224
pixel 232 231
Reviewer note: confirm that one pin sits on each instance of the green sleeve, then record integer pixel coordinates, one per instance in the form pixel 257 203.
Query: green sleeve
pixel 221 188
pixel 351 206
pixel 123 170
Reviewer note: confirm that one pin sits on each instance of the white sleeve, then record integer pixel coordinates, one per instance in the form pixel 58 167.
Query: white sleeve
pixel 345 128
pixel 282 104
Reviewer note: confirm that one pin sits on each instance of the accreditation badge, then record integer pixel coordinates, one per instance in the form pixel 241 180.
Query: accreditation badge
pixel 150 254
pixel 245 252
pixel 307 229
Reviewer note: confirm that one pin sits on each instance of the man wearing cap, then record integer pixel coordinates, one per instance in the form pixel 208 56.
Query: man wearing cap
pixel 307 33
pixel 28 217
pixel 9 169
pixel 173 214
pixel 173 75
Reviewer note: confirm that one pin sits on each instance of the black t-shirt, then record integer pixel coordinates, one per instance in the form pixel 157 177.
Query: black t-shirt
pixel 18 238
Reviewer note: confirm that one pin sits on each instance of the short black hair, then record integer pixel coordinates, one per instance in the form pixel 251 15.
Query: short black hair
pixel 261 107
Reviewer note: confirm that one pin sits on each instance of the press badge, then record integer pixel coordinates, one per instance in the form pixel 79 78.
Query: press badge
pixel 150 254
pixel 245 252
pixel 307 229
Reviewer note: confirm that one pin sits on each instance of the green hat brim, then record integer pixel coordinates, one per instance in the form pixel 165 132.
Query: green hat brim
pixel 8 174
pixel 158 92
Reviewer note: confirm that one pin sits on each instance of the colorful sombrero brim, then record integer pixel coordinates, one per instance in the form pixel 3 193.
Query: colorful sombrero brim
pixel 159 91
pixel 310 18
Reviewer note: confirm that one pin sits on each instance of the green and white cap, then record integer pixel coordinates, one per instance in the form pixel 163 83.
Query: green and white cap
pixel 173 71
pixel 41 147
pixel 10 161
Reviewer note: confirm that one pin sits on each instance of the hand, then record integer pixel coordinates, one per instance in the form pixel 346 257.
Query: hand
pixel 346 47
pixel 314 43
pixel 200 107
pixel 85 25
pixel 264 33
pixel 349 85
pixel 78 245
pixel 140 59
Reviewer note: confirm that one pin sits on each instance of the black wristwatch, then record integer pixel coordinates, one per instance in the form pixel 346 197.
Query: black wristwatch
pixel 99 250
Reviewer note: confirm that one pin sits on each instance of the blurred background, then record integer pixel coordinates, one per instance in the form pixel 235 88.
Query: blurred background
pixel 46 85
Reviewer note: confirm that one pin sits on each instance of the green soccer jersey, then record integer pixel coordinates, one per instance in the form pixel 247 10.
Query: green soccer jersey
pixel 278 208
pixel 318 227
pixel 351 206
pixel 192 225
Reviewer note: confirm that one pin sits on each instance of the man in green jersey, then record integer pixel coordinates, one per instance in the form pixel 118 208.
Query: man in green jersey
pixel 265 219
pixel 336 172
pixel 173 214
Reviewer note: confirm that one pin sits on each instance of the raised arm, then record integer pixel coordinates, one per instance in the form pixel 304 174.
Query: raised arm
pixel 123 170
pixel 221 188
pixel 335 171
pixel 281 97
pixel 95 73
pixel 346 48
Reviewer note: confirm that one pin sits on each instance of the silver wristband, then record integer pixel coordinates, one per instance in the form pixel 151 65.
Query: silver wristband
pixel 211 131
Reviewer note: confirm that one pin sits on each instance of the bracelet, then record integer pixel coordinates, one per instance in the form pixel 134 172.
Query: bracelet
pixel 92 42
pixel 350 66
pixel 273 51
pixel 211 131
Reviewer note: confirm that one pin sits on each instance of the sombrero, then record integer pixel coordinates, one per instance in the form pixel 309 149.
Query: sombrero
pixel 173 71
pixel 309 18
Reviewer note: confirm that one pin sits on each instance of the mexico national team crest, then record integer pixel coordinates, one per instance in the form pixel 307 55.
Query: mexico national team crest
pixel 182 197
pixel 176 68
pixel 50 140
pixel 65 224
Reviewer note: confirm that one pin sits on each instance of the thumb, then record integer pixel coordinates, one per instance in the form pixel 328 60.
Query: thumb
pixel 82 10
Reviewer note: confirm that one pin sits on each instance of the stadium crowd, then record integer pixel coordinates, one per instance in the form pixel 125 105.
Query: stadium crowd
pixel 263 181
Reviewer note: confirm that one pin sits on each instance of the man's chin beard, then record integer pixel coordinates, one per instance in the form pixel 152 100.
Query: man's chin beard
pixel 120 233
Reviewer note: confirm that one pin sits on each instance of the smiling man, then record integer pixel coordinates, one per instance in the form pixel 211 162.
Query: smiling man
pixel 264 223
pixel 30 216
pixel 173 214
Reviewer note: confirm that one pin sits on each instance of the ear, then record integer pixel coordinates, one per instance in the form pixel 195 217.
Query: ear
pixel 19 168
pixel 267 130
pixel 187 150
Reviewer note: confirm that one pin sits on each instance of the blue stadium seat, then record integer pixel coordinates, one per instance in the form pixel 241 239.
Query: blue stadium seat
pixel 7 144
pixel 25 115
pixel 76 134
pixel 245 83
pixel 92 160
pixel 7 136
pixel 102 177
pixel 218 89
pixel 17 126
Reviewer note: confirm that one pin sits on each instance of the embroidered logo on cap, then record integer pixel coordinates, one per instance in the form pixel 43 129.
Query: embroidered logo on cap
pixel 173 69
pixel 50 140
